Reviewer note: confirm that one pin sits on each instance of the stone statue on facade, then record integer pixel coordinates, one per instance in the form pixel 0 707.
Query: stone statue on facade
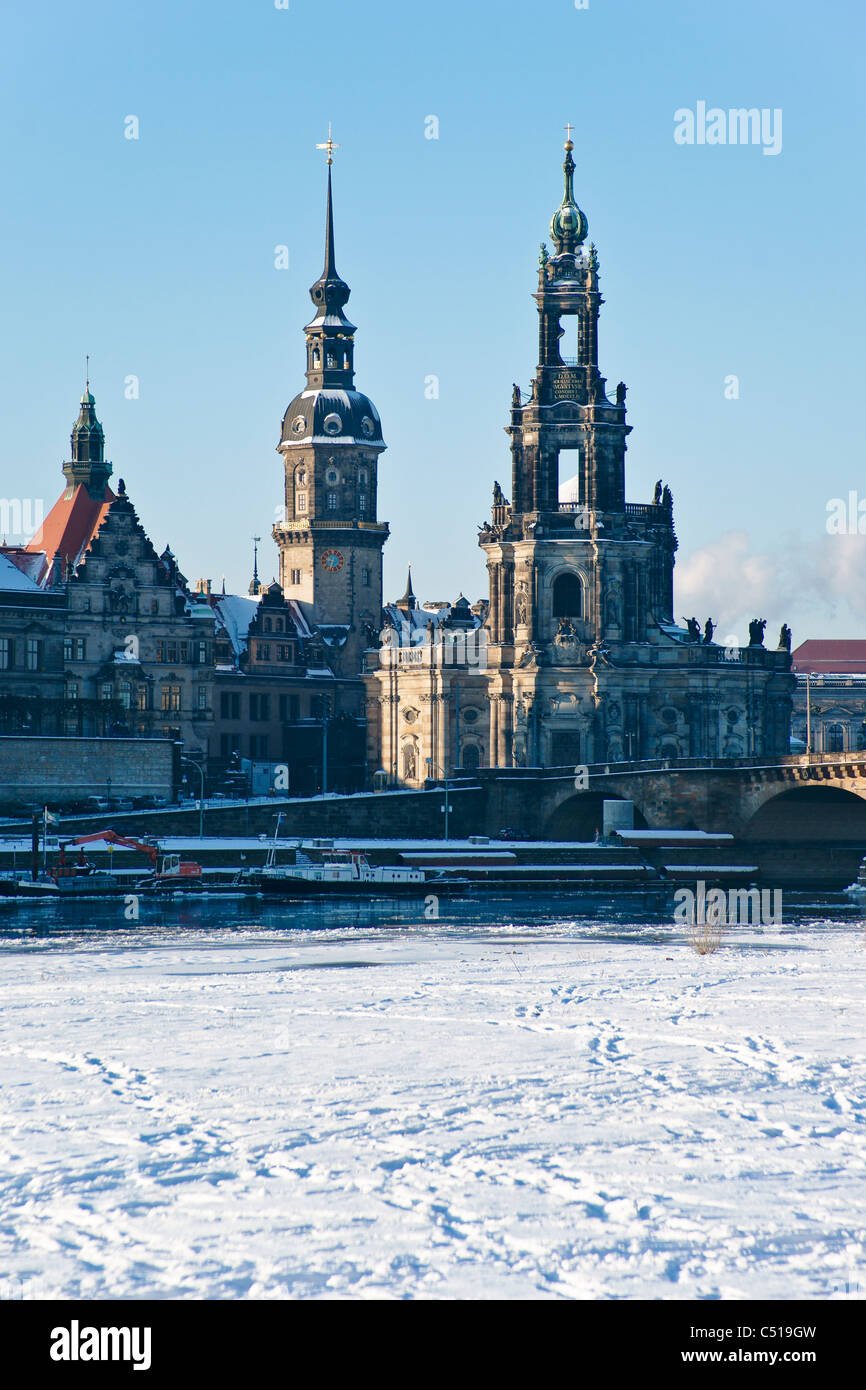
pixel 620 393
pixel 498 495
pixel 756 632
pixel 667 498
pixel 709 629
pixel 785 638
pixel 693 628
pixel 657 493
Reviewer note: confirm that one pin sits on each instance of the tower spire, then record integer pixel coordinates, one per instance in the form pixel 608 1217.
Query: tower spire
pixel 254 583
pixel 330 271
pixel 568 226
pixel 330 336
pixel 408 601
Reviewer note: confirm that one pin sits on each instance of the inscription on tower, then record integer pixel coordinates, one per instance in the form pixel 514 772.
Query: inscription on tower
pixel 566 385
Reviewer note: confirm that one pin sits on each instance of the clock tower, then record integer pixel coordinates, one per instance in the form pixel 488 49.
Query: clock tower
pixel 329 539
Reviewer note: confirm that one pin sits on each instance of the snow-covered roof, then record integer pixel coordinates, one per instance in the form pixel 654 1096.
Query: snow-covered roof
pixel 11 578
pixel 236 612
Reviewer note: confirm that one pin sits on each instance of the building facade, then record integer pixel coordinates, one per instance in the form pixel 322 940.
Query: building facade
pixel 830 699
pixel 580 659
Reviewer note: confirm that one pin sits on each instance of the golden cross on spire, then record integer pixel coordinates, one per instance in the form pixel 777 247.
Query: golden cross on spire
pixel 568 129
pixel 329 145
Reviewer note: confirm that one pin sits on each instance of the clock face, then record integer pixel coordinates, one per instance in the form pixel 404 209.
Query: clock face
pixel 333 560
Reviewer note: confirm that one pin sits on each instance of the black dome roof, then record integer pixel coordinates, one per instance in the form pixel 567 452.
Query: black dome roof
pixel 334 416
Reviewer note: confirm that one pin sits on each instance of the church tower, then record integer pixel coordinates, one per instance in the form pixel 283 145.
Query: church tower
pixel 585 660
pixel 88 466
pixel 330 540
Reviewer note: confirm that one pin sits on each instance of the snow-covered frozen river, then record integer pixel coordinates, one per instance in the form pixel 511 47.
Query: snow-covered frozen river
pixel 374 1105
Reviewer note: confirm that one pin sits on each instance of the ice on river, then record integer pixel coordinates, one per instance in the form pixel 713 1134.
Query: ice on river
pixel 556 1109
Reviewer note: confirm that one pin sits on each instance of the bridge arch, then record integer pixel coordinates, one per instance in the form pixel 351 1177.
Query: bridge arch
pixel 581 815
pixel 809 811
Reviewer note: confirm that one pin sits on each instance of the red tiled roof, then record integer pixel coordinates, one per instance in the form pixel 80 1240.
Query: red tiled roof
pixel 69 527
pixel 830 655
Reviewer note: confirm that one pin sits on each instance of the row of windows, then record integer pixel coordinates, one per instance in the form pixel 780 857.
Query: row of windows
pixel 283 652
pixel 182 653
pixel 140 697
pixel 332 478
pixel 331 502
pixel 32 654
pixel 260 706
pixel 75 649
pixel 84 606
pixel 258 746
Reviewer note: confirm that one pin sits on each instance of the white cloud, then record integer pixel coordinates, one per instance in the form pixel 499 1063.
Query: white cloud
pixel 818 587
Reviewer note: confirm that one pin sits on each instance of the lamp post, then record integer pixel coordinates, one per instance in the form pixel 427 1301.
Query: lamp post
pixel 200 770
pixel 326 714
pixel 431 766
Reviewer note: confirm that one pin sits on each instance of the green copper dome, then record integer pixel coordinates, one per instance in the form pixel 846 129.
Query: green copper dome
pixel 568 226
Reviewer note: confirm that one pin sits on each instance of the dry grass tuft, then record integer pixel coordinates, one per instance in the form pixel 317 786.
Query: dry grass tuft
pixel 705 937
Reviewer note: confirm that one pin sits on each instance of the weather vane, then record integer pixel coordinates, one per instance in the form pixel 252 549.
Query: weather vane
pixel 329 145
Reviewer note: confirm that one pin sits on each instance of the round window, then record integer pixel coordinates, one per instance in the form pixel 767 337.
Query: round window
pixel 332 424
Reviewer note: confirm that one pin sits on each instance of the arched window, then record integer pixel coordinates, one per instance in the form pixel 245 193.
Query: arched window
pixel 471 757
pixel 567 596
pixel 835 738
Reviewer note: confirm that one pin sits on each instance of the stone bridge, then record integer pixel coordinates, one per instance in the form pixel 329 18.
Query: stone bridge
pixel 809 797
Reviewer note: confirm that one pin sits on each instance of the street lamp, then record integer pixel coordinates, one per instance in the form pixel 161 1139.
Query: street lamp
pixel 326 714
pixel 431 765
pixel 193 763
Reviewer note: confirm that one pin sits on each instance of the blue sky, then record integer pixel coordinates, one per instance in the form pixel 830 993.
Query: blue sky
pixel 157 257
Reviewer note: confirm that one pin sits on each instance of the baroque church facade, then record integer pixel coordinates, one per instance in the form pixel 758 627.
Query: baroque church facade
pixel 578 658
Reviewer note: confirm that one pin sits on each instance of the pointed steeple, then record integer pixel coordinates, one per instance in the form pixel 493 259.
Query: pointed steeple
pixel 408 601
pixel 255 586
pixel 88 464
pixel 330 336
pixel 568 226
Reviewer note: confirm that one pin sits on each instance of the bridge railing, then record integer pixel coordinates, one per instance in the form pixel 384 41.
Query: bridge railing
pixel 649 765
